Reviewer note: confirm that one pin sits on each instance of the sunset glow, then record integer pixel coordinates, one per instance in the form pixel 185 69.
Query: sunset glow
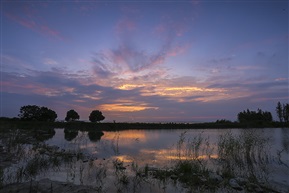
pixel 144 61
pixel 125 107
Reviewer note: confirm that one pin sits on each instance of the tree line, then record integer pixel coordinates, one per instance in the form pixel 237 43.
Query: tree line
pixel 255 116
pixel 260 116
pixel 37 113
pixel 282 111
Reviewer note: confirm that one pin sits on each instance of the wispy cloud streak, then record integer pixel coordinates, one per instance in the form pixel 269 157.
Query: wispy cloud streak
pixel 28 18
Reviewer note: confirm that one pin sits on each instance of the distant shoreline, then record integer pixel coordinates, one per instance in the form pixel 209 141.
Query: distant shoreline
pixel 106 126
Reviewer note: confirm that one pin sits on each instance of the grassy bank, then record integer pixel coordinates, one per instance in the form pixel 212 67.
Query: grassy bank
pixel 81 125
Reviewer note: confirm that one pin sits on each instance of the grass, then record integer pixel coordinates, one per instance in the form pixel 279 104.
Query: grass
pixel 242 155
pixel 246 154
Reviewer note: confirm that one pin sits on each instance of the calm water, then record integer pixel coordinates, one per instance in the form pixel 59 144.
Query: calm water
pixel 157 146
pixel 161 149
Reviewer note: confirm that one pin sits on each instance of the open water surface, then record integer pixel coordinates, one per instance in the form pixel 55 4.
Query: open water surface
pixel 136 149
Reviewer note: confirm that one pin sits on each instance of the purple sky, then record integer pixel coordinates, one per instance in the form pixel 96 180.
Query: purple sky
pixel 145 61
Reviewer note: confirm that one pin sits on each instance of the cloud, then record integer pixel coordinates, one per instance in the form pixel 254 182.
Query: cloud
pixel 28 18
pixel 14 64
pixel 136 60
pixel 125 25
pixel 124 60
pixel 221 60
pixel 130 58
pixel 103 66
pixel 281 79
pixel 50 61
pixel 164 100
pixel 125 107
pixel 63 89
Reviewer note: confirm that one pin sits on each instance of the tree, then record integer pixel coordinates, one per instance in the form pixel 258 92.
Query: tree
pixel 47 114
pixel 253 116
pixel 279 111
pixel 282 111
pixel 36 113
pixel 96 116
pixel 286 113
pixel 71 115
pixel 29 112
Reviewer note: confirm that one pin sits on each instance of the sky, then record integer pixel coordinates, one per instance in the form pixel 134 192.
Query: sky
pixel 145 61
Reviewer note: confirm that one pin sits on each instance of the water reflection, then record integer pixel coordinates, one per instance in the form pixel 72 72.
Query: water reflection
pixel 128 137
pixel 70 134
pixel 249 153
pixel 95 136
pixel 44 135
pixel 285 139
pixel 159 146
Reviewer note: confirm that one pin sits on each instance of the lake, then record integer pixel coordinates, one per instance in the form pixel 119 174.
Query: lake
pixel 113 161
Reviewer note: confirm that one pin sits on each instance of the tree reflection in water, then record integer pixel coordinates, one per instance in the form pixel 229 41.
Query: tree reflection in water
pixel 285 139
pixel 70 134
pixel 95 136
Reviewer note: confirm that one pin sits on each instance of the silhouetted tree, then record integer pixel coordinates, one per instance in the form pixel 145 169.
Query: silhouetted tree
pixel 223 121
pixel 286 112
pixel 47 114
pixel 96 116
pixel 282 111
pixel 279 111
pixel 29 112
pixel 36 113
pixel 253 116
pixel 71 115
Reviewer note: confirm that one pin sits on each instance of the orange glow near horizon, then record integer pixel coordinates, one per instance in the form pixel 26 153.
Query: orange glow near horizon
pixel 130 86
pixel 125 107
pixel 180 93
pixel 185 91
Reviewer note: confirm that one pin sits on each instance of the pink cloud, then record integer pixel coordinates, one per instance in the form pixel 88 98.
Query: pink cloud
pixel 127 22
pixel 180 29
pixel 281 79
pixel 47 30
pixel 26 87
pixel 32 24
pixel 24 22
pixel 136 60
pixel 177 50
pixel 177 23
pixel 13 63
pixel 159 29
pixel 125 25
